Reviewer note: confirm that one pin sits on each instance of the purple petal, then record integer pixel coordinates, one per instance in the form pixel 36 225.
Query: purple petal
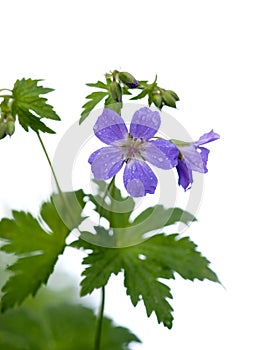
pixel 145 123
pixel 139 179
pixel 110 127
pixel 168 150
pixel 92 156
pixel 106 162
pixel 208 137
pixel 204 152
pixel 185 174
pixel 192 158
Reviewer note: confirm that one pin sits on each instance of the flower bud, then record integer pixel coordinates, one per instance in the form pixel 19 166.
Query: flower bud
pixel 115 91
pixel 157 100
pixel 3 128
pixel 168 99
pixel 128 80
pixel 10 127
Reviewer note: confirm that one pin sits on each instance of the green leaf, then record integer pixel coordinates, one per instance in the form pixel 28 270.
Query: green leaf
pixel 118 210
pixel 143 265
pixel 30 106
pixel 37 243
pixel 110 204
pixel 99 84
pixel 63 326
pixel 142 94
pixel 113 105
pixel 94 98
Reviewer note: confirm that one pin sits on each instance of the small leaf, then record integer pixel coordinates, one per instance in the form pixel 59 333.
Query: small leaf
pixel 99 84
pixel 30 107
pixel 94 98
pixel 36 248
pixel 142 94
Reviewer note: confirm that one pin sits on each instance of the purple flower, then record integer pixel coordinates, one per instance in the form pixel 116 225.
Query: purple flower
pixel 193 157
pixel 133 149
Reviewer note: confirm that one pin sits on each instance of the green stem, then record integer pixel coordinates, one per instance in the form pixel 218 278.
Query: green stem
pixel 101 311
pixel 107 190
pixel 57 182
pixel 100 321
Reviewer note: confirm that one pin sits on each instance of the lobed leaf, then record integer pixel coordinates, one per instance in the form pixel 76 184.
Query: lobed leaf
pixel 143 265
pixel 94 99
pixel 63 326
pixel 30 106
pixel 37 243
pixel 110 204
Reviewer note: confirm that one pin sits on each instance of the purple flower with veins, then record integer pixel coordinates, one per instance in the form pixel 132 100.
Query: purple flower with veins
pixel 193 157
pixel 133 148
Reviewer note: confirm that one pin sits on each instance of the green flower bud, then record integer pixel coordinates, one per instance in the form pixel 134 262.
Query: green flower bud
pixel 10 127
pixel 157 100
pixel 128 80
pixel 174 95
pixel 3 128
pixel 168 99
pixel 115 91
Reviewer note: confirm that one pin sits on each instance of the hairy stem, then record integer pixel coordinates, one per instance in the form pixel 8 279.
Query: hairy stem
pixel 100 321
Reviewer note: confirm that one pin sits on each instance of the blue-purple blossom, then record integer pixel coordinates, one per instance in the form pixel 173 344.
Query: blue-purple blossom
pixel 193 157
pixel 133 148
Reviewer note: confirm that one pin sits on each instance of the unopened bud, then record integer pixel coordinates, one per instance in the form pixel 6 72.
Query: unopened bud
pixel 3 128
pixel 157 100
pixel 115 91
pixel 174 95
pixel 10 127
pixel 168 99
pixel 128 80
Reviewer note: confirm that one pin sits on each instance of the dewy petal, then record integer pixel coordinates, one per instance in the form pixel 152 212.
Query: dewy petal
pixel 110 127
pixel 106 163
pixel 156 156
pixel 139 179
pixel 93 155
pixel 169 150
pixel 208 137
pixel 185 174
pixel 145 123
pixel 192 158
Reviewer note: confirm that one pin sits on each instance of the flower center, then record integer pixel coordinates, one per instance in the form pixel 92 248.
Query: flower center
pixel 134 148
pixel 131 147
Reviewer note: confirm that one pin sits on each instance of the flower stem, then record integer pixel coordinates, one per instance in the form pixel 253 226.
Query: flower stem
pixel 101 311
pixel 63 199
pixel 100 321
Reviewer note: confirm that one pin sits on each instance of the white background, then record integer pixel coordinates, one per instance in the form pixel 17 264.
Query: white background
pixel 205 51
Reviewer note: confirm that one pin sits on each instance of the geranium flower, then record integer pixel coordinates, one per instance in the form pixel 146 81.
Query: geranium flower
pixel 193 157
pixel 133 149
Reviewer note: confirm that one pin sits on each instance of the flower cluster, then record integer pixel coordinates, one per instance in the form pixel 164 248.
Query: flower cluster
pixel 136 147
